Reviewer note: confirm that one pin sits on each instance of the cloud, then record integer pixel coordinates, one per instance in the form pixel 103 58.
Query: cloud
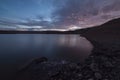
pixel 34 23
pixel 67 13
pixel 114 6
pixel 75 12
pixel 37 23
pixel 7 23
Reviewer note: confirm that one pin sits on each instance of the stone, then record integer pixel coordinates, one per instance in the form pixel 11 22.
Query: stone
pixel 90 79
pixel 98 75
pixel 40 60
pixel 79 75
pixel 93 67
pixel 108 64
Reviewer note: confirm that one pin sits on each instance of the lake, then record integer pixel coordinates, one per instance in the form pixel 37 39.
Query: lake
pixel 18 49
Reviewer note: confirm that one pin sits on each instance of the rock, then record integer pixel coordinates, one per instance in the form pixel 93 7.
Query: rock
pixel 72 66
pixel 90 79
pixel 108 64
pixel 94 67
pixel 64 62
pixel 79 75
pixel 98 75
pixel 40 60
pixel 105 79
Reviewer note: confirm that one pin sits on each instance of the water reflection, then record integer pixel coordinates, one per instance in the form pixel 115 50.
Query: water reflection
pixel 17 49
pixel 43 45
pixel 36 45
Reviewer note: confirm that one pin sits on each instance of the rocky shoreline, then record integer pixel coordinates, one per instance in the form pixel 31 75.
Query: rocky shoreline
pixel 102 64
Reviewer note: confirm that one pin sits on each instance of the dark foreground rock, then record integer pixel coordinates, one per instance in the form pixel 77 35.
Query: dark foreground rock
pixel 102 64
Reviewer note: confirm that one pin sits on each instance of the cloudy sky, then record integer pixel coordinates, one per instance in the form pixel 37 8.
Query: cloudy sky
pixel 56 14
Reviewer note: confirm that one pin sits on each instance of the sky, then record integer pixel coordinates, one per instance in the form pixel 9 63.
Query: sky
pixel 56 14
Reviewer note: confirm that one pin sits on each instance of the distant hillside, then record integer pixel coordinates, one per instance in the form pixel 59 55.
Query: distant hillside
pixel 108 30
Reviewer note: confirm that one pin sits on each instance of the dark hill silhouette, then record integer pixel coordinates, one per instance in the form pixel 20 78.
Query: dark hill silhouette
pixel 109 30
pixel 111 26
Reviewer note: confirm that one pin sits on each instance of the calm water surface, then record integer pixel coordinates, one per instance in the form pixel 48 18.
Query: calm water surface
pixel 18 49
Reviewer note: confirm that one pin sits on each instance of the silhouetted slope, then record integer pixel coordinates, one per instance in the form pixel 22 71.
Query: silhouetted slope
pixel 108 30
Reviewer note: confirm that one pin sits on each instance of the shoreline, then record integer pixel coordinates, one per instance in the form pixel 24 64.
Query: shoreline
pixel 102 64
